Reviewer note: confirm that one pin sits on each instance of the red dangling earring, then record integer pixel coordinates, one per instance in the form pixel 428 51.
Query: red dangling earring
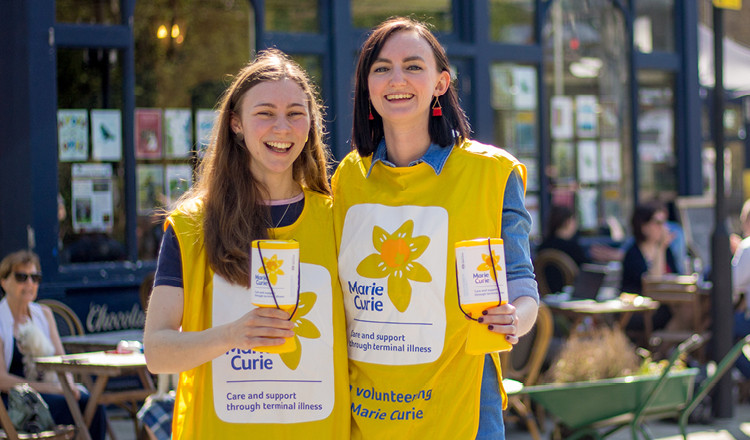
pixel 437 109
pixel 370 116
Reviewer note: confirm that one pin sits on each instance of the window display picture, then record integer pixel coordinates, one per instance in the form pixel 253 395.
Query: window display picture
pixel 178 132
pixel 561 117
pixel 563 159
pixel 106 135
pixel 148 133
pixel 92 205
pixel 73 135
pixel 179 178
pixel 586 116
pixel 150 187
pixel 588 163
pixel 204 125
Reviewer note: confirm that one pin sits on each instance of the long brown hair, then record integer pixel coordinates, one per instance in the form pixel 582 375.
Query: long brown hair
pixel 366 133
pixel 233 208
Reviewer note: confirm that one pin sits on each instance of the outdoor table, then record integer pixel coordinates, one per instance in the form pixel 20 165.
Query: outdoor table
pixel 578 310
pixel 100 341
pixel 96 369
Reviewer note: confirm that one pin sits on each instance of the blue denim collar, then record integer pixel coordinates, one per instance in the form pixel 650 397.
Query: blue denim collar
pixel 435 156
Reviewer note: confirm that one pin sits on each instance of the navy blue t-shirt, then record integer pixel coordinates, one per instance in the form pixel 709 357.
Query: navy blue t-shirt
pixel 169 263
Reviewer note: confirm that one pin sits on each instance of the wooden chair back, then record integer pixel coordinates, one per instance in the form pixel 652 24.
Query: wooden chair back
pixel 559 260
pixel 67 321
pixel 9 432
pixel 690 306
pixel 524 362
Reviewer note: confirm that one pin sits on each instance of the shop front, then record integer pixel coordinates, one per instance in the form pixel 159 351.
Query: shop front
pixel 107 107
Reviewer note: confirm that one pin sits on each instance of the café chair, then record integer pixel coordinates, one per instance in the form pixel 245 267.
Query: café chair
pixel 689 303
pixel 67 321
pixel 9 432
pixel 553 258
pixel 523 365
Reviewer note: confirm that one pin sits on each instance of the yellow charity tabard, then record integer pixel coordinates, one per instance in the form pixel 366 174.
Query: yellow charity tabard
pixel 410 376
pixel 243 393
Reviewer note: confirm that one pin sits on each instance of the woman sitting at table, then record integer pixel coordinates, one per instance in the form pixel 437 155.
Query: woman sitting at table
pixel 562 235
pixel 648 255
pixel 28 329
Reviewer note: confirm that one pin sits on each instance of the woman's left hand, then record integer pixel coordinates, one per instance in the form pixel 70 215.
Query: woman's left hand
pixel 502 319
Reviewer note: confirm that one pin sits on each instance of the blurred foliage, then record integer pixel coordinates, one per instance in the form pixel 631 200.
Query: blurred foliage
pixel 216 38
pixel 292 16
pixel 601 353
pixel 369 13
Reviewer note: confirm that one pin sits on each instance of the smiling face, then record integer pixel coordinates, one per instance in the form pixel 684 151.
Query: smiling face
pixel 275 121
pixel 21 291
pixel 404 80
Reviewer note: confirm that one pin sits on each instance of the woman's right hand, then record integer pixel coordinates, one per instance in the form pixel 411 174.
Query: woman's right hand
pixel 260 327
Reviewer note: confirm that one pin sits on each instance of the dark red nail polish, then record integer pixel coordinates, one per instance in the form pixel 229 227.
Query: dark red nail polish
pixel 480 319
pixel 490 327
pixel 484 312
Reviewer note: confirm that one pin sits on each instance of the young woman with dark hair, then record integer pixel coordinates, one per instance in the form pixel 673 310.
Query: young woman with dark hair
pixel 415 186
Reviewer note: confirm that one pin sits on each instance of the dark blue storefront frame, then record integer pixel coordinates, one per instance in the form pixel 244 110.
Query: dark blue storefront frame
pixel 30 37
pixel 104 295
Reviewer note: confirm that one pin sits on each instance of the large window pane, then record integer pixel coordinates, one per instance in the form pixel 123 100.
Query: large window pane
pixel 91 208
pixel 514 104
pixel 653 28
pixel 586 74
pixel 179 55
pixel 657 172
pixel 292 16
pixel 182 66
pixel 370 13
pixel 512 21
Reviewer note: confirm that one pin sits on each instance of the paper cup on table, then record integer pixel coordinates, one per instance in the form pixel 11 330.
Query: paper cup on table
pixel 482 284
pixel 274 280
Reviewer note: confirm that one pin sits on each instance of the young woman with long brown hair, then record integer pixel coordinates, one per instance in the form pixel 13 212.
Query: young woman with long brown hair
pixel 264 176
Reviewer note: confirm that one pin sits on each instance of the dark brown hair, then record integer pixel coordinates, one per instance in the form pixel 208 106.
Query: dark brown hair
pixel 641 215
pixel 558 216
pixel 234 212
pixel 366 134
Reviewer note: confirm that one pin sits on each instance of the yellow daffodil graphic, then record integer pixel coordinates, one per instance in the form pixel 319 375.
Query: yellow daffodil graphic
pixel 272 268
pixel 302 327
pixel 395 259
pixel 490 261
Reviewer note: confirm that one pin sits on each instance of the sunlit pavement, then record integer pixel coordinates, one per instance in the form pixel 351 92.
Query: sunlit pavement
pixel 736 428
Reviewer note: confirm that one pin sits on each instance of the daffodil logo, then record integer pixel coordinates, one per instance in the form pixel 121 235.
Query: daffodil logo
pixel 302 327
pixel 489 261
pixel 272 268
pixel 395 259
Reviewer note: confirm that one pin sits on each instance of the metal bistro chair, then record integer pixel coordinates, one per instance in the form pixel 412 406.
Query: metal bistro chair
pixel 68 323
pixel 690 303
pixel 61 432
pixel 522 366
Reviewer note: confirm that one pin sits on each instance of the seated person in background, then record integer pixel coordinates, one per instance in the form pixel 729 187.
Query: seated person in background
pixel 741 286
pixel 560 234
pixel 28 329
pixel 678 246
pixel 648 254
